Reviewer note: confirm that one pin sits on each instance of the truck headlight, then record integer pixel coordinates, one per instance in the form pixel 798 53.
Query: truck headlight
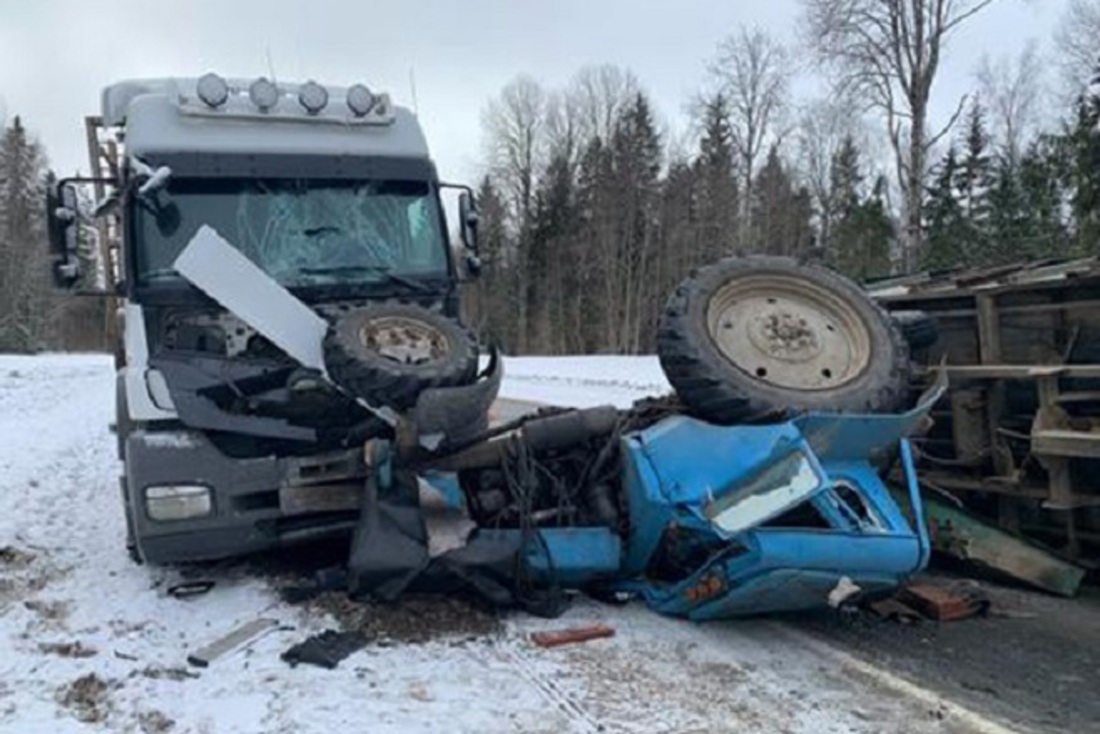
pixel 167 502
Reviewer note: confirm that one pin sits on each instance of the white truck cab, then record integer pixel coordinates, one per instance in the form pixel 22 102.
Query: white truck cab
pixel 331 193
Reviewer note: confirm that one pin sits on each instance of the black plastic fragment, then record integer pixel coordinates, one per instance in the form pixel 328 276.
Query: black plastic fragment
pixel 326 649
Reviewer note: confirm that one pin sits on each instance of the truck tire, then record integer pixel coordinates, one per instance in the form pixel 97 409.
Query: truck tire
pixel 388 353
pixel 749 337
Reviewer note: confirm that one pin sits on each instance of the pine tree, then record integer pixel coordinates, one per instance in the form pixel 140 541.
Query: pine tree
pixel 782 212
pixel 716 196
pixel 1080 152
pixel 945 226
pixel 27 303
pixel 973 183
pixel 862 231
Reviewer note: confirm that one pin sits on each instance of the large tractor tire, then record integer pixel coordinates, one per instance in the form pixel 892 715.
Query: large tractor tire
pixel 388 353
pixel 750 337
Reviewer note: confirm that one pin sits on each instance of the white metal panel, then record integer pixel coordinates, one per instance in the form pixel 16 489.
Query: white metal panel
pixel 223 273
pixel 139 402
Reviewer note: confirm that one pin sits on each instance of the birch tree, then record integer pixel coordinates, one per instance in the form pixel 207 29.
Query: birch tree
pixel 889 52
pixel 1078 42
pixel 1012 90
pixel 752 70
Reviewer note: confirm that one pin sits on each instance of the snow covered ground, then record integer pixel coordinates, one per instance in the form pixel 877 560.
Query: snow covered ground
pixel 65 579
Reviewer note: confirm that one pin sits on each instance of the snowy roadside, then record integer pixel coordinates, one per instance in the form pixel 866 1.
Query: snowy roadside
pixel 65 579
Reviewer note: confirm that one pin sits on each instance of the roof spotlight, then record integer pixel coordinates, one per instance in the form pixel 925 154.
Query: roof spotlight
pixel 313 97
pixel 360 99
pixel 264 94
pixel 212 90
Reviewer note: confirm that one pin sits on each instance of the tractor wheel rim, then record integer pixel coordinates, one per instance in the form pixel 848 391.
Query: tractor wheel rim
pixel 405 341
pixel 789 332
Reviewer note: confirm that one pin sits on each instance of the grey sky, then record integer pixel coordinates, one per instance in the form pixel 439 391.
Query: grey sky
pixel 56 55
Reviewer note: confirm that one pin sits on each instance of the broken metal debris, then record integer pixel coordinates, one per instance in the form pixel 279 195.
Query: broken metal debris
pixel 555 638
pixel 75 649
pixel 189 589
pixel 893 610
pixel 326 649
pixel 945 605
pixel 239 638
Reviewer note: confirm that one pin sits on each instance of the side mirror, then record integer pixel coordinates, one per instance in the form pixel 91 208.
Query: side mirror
pixel 63 226
pixel 468 220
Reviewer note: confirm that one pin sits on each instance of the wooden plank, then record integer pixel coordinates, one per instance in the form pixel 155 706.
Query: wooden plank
pixel 1016 371
pixel 1062 442
pixel 964 536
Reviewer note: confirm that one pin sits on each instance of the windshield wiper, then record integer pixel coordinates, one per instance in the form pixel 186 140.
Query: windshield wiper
pixel 383 270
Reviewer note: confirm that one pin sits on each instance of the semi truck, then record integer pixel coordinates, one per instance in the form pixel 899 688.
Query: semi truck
pixel 292 365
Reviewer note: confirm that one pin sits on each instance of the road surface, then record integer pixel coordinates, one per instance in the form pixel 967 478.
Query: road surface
pixel 93 642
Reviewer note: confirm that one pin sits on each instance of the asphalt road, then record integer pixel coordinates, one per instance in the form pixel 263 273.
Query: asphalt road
pixel 1033 663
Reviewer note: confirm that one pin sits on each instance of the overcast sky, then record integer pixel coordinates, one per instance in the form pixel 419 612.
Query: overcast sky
pixel 55 56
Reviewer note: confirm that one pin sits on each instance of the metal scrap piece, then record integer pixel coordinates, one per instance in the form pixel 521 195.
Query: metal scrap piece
pixel 239 638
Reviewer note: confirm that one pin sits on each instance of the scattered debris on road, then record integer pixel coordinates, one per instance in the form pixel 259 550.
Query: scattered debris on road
pixel 411 619
pixel 75 649
pixel 189 589
pixel 945 605
pixel 326 649
pixel 87 698
pixel 555 638
pixel 159 672
pixel 155 722
pixel 12 557
pixel 239 638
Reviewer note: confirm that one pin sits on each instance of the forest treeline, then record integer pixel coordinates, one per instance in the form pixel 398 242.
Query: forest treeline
pixel 592 210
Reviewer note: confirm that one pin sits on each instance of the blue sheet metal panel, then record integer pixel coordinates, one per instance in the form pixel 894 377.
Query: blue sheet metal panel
pixel 854 436
pixel 650 514
pixel 577 556
pixel 694 460
pixel 782 590
pixel 672 470
pixel 827 550
pixel 446 483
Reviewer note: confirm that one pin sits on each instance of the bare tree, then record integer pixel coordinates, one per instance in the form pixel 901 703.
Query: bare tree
pixel 597 96
pixel 515 129
pixel 514 125
pixel 1078 42
pixel 824 126
pixel 888 53
pixel 752 71
pixel 1012 91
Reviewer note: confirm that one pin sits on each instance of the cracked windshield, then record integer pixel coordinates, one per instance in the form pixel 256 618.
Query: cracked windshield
pixel 303 233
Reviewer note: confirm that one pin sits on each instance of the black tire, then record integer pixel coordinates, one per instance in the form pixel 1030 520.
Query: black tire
pixel 917 327
pixel 382 376
pixel 712 385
